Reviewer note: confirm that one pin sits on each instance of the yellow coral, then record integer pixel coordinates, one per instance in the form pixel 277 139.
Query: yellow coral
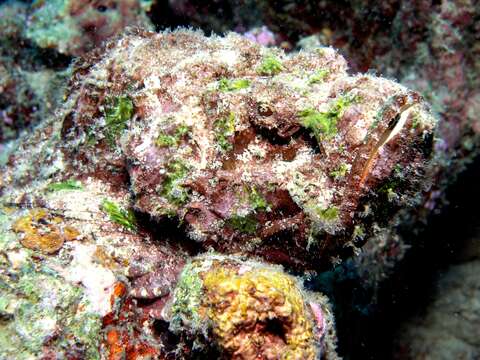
pixel 258 312
pixel 44 231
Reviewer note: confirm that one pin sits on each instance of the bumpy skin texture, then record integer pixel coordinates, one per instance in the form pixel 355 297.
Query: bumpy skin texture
pixel 431 47
pixel 282 166
pixel 217 143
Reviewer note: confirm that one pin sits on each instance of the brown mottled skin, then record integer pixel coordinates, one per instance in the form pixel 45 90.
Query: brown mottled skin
pixel 283 169
pixel 267 116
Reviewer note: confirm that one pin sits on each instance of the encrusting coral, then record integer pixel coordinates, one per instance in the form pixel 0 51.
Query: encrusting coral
pixel 41 231
pixel 248 308
pixel 172 144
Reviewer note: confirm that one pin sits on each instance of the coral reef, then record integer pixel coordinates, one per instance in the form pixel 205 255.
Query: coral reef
pixel 172 144
pixel 74 27
pixel 37 41
pixel 40 311
pixel 64 266
pixel 250 309
pixel 169 145
pixel 31 80
pixel 37 309
pixel 40 231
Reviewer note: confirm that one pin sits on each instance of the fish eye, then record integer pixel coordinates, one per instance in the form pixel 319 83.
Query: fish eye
pixel 394 121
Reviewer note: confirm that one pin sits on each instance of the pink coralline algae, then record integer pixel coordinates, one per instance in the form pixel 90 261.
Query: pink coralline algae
pixel 261 35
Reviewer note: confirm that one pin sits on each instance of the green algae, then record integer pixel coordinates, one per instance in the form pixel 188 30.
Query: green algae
pixel 187 298
pixel 164 140
pixel 123 217
pixel 270 66
pixel 318 77
pixel 70 184
pixel 172 188
pixel 35 304
pixel 118 112
pixel 359 233
pixel 86 328
pixel 224 129
pixel 167 140
pixel 339 172
pixel 227 85
pixel 257 201
pixel 323 125
pixel 246 224
pixel 416 120
pixel 328 214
